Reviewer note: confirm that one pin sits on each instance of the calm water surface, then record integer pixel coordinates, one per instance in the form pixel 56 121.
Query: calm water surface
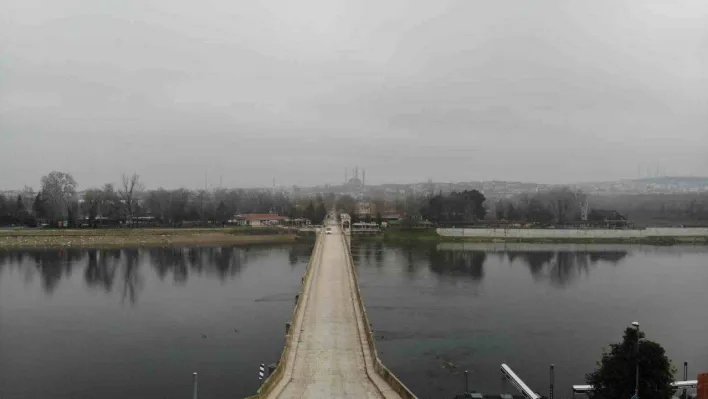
pixel 135 323
pixel 440 309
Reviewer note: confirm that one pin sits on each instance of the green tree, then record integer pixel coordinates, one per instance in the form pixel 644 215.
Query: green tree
pixel 512 213
pixel 538 212
pixel 222 213
pixel 346 204
pixel 379 219
pixel 320 213
pixel 5 212
pixel 39 207
pixel 500 210
pixel 22 215
pixel 615 375
pixel 309 212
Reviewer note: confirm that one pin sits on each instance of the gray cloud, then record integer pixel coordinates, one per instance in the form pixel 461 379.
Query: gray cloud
pixel 551 91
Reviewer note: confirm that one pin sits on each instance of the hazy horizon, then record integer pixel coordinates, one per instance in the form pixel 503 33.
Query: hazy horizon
pixel 545 92
pixel 212 184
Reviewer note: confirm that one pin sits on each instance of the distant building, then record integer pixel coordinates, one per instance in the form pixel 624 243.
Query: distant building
pixel 259 219
pixel 391 217
pixel 355 182
pixel 365 228
pixel 363 209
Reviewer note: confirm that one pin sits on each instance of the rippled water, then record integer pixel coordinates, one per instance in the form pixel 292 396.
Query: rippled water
pixel 135 323
pixel 440 309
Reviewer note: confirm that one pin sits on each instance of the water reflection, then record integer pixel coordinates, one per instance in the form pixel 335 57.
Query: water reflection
pixel 458 263
pixel 559 267
pixel 101 269
pixel 119 269
pixel 53 265
pixel 563 267
pixel 442 308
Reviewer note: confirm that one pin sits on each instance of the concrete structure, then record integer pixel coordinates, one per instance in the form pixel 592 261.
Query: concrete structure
pixel 363 209
pixel 259 219
pixel 329 350
pixel 365 228
pixel 571 234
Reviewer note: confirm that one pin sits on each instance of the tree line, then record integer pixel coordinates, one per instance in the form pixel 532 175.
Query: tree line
pixel 559 206
pixel 128 203
pixel 465 206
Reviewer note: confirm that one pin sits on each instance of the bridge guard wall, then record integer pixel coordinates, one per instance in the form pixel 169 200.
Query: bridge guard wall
pixel 282 365
pixel 379 367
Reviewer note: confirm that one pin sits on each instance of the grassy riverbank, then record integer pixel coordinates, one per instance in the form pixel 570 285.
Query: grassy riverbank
pixel 430 235
pixel 113 238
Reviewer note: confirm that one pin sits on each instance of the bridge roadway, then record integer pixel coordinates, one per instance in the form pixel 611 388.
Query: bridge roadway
pixel 330 356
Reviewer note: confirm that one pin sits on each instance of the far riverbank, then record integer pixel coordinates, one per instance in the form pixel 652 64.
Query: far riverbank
pixel 148 237
pixel 556 236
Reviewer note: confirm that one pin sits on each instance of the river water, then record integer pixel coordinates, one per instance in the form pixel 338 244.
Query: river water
pixel 440 309
pixel 137 322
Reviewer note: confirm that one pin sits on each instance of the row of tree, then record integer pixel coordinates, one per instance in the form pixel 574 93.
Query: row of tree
pixel 658 209
pixel 560 205
pixel 130 204
pixel 465 206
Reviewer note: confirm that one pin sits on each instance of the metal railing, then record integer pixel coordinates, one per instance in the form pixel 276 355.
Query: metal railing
pixel 509 374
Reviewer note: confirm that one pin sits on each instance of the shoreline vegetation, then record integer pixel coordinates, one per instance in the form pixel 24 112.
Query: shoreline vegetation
pixel 146 237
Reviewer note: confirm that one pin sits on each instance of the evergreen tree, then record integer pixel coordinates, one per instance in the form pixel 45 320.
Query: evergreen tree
pixel 320 213
pixel 39 207
pixel 616 372
pixel 309 212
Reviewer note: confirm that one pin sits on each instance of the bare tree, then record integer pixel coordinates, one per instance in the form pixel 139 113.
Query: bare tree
pixel 28 196
pixel 59 190
pixel 130 187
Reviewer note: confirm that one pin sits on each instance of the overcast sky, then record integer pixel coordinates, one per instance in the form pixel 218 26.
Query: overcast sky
pixel 547 90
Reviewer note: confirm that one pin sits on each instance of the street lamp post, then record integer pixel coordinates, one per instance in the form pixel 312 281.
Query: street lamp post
pixel 636 381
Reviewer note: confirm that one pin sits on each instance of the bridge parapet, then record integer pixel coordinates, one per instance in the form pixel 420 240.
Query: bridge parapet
pixel 379 368
pixel 276 376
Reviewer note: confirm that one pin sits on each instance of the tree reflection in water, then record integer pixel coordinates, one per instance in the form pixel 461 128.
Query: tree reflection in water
pixel 458 263
pixel 131 276
pixel 106 269
pixel 563 267
pixel 101 268
pixel 54 264
pixel 557 267
pixel 299 253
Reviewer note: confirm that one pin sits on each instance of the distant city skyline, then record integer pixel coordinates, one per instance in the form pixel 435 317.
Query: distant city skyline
pixel 217 182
